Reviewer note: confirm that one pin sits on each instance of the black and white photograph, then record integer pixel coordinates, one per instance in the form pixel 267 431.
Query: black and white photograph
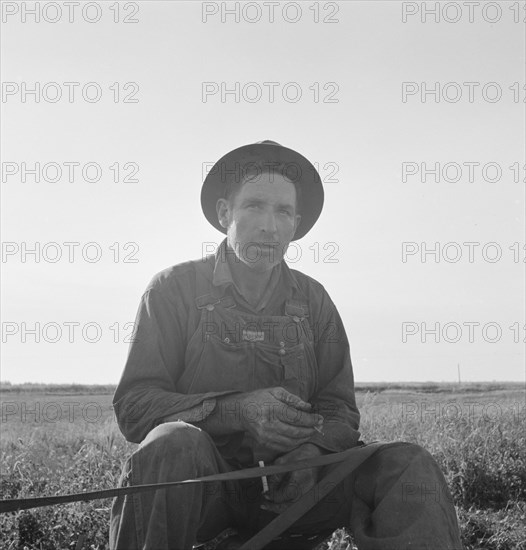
pixel 263 275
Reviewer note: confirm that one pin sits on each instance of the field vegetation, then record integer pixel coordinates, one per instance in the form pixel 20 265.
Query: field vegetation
pixel 64 439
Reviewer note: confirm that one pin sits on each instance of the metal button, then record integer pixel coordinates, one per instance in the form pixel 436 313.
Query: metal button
pixel 227 340
pixel 282 351
pixel 210 307
pixel 282 344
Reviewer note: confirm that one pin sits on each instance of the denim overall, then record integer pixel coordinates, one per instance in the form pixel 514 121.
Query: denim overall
pixel 233 350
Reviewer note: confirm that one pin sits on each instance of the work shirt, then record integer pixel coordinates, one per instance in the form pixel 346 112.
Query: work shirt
pixel 197 338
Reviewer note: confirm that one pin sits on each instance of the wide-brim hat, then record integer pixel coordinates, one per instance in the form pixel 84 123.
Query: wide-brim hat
pixel 293 166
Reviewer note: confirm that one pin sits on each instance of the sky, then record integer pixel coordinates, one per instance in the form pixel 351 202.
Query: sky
pixel 133 102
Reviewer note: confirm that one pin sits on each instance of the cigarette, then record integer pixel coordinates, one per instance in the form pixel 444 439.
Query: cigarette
pixel 319 430
pixel 264 478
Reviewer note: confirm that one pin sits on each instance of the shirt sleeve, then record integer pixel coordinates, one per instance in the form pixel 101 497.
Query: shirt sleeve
pixel 147 391
pixel 335 398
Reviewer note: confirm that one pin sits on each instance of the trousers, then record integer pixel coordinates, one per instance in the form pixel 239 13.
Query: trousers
pixel 397 499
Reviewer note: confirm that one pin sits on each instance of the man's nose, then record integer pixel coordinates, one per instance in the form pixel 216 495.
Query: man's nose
pixel 268 223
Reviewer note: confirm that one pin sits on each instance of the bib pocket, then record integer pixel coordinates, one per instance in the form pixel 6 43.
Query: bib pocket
pixel 287 367
pixel 223 366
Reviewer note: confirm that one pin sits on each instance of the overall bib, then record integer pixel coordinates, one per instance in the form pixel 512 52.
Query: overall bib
pixel 233 350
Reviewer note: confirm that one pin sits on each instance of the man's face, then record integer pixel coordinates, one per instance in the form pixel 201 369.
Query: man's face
pixel 261 220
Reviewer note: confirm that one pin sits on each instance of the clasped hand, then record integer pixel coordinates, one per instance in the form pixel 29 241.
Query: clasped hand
pixel 284 424
pixel 278 420
pixel 285 489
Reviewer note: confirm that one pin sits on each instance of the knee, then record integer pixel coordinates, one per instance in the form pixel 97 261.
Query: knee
pixel 177 439
pixel 394 464
pixel 392 459
pixel 409 457
pixel 405 452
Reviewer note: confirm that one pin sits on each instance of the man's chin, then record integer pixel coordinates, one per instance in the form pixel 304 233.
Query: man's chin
pixel 255 254
pixel 261 265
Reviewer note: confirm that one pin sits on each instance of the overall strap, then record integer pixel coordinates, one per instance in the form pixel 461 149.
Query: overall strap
pixel 298 311
pixel 295 308
pixel 207 296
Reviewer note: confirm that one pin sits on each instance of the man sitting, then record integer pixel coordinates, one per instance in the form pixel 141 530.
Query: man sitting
pixel 238 359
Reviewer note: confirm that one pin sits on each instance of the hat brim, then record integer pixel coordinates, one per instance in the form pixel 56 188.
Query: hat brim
pixel 296 167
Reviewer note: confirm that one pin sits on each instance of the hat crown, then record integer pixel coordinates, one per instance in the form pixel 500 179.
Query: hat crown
pixel 268 142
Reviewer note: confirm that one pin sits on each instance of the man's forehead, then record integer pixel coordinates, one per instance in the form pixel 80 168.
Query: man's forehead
pixel 265 187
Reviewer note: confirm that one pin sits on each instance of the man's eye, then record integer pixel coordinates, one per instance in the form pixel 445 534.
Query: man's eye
pixel 285 211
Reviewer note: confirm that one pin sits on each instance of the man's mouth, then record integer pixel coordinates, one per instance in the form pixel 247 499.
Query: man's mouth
pixel 270 248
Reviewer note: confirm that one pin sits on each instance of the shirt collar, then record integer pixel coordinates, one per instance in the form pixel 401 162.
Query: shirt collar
pixel 222 275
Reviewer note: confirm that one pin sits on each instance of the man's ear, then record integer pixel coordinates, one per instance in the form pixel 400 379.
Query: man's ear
pixel 223 210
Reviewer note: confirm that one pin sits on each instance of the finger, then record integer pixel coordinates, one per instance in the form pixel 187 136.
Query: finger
pixel 282 443
pixel 275 481
pixel 274 507
pixel 287 492
pixel 290 399
pixel 274 484
pixel 297 417
pixel 292 432
pixel 299 483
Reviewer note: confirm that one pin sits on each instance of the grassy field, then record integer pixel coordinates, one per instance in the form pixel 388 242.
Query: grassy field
pixel 64 439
